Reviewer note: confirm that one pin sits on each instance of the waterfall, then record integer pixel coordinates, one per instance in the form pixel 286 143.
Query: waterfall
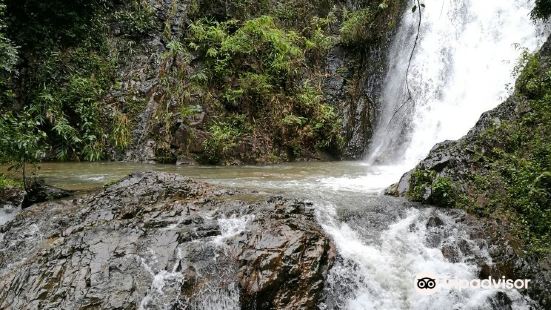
pixel 462 66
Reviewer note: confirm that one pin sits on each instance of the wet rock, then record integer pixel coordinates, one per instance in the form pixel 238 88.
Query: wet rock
pixel 392 190
pixel 435 221
pixel 451 253
pixel 38 191
pixel 282 268
pixel 159 240
pixel 11 197
pixel 501 301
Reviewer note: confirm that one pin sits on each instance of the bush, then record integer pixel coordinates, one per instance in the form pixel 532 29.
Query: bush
pixel 356 28
pixel 256 69
pixel 427 187
pixel 136 19
pixel 443 193
pixel 420 182
pixel 8 60
pixel 69 69
pixel 6 182
pixel 224 137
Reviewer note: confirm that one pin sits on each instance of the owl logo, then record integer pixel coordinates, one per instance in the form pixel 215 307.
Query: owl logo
pixel 426 283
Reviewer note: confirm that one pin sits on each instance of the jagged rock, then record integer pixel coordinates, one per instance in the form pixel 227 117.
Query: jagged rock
pixel 276 261
pixel 435 221
pixel 159 240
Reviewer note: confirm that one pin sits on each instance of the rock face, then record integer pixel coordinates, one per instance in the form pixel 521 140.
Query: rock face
pixel 352 84
pixel 157 240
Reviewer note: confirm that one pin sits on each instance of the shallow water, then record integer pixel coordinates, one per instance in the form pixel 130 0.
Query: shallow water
pixel 295 177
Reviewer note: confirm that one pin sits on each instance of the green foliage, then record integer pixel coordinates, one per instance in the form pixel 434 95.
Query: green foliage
pixel 120 134
pixel 278 49
pixel 21 141
pixel 530 81
pixel 427 187
pixel 319 41
pixel 8 52
pixel 70 104
pixel 356 27
pixel 256 68
pixel 69 67
pixel 223 139
pixel 6 182
pixel 420 182
pixel 443 192
pixel 369 24
pixel 250 88
pixel 259 40
pixel 8 59
pixel 136 18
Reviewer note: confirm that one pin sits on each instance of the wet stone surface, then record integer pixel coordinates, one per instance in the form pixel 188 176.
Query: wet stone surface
pixel 162 241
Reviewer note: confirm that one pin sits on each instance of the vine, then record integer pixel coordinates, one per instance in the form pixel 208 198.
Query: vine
pixel 416 8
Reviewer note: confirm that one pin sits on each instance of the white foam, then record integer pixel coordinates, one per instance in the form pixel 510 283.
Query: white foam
pixel 232 226
pixel 381 275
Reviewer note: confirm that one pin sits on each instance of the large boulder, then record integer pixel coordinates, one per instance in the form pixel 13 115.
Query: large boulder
pixel 157 240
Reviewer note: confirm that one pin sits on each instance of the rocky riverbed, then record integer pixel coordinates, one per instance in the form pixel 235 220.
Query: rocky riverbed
pixel 162 241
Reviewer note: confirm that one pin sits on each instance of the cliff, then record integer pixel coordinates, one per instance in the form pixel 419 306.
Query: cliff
pixel 197 81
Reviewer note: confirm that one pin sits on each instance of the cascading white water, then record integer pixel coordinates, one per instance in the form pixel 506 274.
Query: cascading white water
pixel 380 273
pixel 462 64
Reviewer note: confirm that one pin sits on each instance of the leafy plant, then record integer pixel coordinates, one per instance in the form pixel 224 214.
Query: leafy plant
pixel 136 19
pixel 21 141
pixel 356 26
pixel 6 182
pixel 224 137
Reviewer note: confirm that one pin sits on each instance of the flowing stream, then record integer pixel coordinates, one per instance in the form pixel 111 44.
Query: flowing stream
pixel 463 65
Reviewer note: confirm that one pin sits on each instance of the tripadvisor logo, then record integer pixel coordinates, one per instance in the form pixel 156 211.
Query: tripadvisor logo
pixel 427 283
